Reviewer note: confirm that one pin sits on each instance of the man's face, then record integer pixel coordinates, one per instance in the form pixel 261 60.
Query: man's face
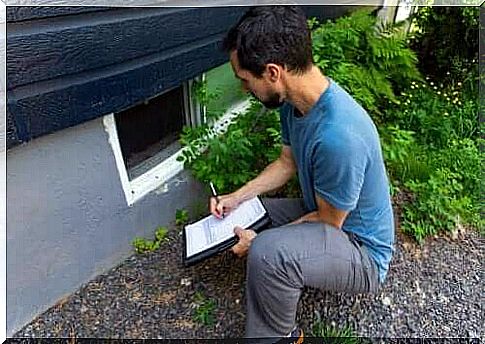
pixel 261 88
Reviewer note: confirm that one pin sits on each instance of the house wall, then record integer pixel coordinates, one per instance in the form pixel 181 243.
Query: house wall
pixel 67 218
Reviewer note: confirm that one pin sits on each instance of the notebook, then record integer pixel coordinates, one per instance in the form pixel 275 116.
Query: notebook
pixel 210 235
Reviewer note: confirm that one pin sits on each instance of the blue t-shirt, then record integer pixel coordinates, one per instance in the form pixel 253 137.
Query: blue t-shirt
pixel 338 155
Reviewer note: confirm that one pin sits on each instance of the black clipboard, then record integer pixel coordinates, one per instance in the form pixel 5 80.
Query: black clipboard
pixel 258 226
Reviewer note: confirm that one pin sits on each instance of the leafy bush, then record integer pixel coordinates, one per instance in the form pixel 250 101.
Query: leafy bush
pixel 252 140
pixel 446 43
pixel 367 59
pixel 436 113
pixel 437 206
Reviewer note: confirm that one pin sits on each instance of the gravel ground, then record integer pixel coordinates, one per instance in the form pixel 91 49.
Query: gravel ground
pixel 431 291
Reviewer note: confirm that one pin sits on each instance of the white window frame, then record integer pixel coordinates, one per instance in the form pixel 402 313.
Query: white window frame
pixel 153 179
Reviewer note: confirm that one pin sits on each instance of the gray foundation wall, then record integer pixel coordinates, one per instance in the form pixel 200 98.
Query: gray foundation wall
pixel 67 217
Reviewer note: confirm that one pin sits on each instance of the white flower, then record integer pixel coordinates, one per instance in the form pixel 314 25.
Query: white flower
pixel 438 92
pixel 431 83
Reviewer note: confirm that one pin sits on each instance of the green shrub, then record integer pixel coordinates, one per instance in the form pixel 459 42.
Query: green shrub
pixel 447 45
pixel 232 159
pixel 438 205
pixel 436 113
pixel 367 59
pixel 432 151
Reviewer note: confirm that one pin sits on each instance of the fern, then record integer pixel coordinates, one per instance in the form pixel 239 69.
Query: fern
pixel 370 59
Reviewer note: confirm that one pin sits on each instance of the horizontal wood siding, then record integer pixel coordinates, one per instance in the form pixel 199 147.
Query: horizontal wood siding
pixel 73 46
pixel 17 14
pixel 69 65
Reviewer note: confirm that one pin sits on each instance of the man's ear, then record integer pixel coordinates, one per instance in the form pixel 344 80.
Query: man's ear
pixel 274 71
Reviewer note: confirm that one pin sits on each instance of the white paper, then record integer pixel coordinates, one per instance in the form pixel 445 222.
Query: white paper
pixel 211 231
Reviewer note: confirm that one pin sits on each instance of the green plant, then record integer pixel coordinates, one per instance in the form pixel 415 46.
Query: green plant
pixel 204 309
pixel 334 334
pixel 143 245
pixel 235 157
pixel 202 94
pixel 438 205
pixel 445 39
pixel 367 59
pixel 436 113
pixel 431 150
pixel 161 234
pixel 181 217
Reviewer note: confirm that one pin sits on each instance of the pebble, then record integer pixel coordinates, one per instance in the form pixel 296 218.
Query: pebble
pixel 386 301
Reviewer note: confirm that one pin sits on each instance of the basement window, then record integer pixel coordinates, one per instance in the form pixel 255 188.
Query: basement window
pixel 144 137
pixel 148 133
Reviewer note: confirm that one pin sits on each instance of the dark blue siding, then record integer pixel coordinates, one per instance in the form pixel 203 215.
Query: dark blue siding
pixel 69 65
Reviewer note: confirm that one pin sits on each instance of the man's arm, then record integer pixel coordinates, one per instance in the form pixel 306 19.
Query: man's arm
pixel 326 213
pixel 275 175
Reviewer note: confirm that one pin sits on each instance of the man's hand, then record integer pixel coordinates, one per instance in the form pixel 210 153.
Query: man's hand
pixel 223 204
pixel 245 238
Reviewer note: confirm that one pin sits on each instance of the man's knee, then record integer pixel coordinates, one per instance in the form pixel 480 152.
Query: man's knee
pixel 270 258
pixel 264 251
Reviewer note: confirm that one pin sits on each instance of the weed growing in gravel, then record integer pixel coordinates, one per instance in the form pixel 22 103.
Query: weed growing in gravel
pixel 143 245
pixel 343 335
pixel 204 309
pixel 181 217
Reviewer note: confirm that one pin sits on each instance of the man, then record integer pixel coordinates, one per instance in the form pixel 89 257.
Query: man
pixel 340 236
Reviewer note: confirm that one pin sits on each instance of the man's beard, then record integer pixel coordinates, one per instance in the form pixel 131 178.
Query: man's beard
pixel 273 101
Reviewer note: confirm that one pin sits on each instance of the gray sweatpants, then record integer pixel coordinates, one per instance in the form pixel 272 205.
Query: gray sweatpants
pixel 284 259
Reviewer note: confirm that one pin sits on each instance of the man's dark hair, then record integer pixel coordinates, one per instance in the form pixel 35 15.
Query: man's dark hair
pixel 271 34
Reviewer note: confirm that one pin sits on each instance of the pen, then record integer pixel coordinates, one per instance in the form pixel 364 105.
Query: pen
pixel 214 193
